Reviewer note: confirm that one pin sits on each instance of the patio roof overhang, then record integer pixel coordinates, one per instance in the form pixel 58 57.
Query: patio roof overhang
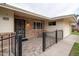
pixel 24 13
pixel 30 15
pixel 72 17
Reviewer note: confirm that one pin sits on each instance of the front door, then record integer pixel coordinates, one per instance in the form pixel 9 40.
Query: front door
pixel 20 27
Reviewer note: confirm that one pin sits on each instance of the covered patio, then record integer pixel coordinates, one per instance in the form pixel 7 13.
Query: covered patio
pixel 34 38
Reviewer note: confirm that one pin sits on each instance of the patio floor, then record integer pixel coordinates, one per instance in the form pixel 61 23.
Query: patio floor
pixel 32 47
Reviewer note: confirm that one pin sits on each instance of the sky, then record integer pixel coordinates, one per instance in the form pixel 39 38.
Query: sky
pixel 49 9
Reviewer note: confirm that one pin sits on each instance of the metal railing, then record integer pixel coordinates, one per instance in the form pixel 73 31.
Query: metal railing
pixel 6 43
pixel 12 46
pixel 50 38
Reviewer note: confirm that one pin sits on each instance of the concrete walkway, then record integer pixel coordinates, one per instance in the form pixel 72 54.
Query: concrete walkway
pixel 62 48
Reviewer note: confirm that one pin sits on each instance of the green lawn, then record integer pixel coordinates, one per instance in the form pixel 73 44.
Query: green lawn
pixel 75 33
pixel 75 50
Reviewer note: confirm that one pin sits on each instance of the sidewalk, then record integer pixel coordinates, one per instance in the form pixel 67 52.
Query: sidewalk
pixel 62 48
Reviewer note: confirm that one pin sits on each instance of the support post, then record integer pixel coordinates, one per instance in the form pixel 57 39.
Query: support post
pixel 20 45
pixel 2 44
pixel 44 41
pixel 56 37
pixel 9 44
pixel 62 34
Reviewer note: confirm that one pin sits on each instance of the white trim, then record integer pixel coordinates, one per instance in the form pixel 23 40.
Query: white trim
pixel 65 16
pixel 4 5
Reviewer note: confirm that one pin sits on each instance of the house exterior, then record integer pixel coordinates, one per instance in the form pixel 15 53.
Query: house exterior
pixel 63 23
pixel 32 23
pixel 11 16
pixel 31 26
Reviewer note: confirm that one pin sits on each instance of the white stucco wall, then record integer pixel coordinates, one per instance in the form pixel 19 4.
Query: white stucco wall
pixel 63 24
pixel 58 26
pixel 66 28
pixel 6 25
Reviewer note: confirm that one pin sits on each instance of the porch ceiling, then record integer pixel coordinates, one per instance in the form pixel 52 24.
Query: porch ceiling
pixel 27 16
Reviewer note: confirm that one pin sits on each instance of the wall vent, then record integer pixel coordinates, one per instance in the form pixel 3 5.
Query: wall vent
pixel 5 18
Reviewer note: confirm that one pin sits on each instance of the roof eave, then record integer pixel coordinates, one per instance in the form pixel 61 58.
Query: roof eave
pixel 4 5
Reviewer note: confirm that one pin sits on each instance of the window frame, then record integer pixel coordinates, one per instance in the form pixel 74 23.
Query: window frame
pixel 37 25
pixel 52 23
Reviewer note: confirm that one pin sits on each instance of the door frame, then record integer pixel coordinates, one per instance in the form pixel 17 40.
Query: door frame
pixel 24 26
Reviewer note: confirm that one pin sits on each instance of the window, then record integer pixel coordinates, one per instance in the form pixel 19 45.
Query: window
pixel 37 25
pixel 52 23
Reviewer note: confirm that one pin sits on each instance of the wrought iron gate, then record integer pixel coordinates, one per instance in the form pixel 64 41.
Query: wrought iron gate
pixel 50 38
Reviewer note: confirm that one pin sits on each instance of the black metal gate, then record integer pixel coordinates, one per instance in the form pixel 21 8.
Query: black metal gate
pixel 50 38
